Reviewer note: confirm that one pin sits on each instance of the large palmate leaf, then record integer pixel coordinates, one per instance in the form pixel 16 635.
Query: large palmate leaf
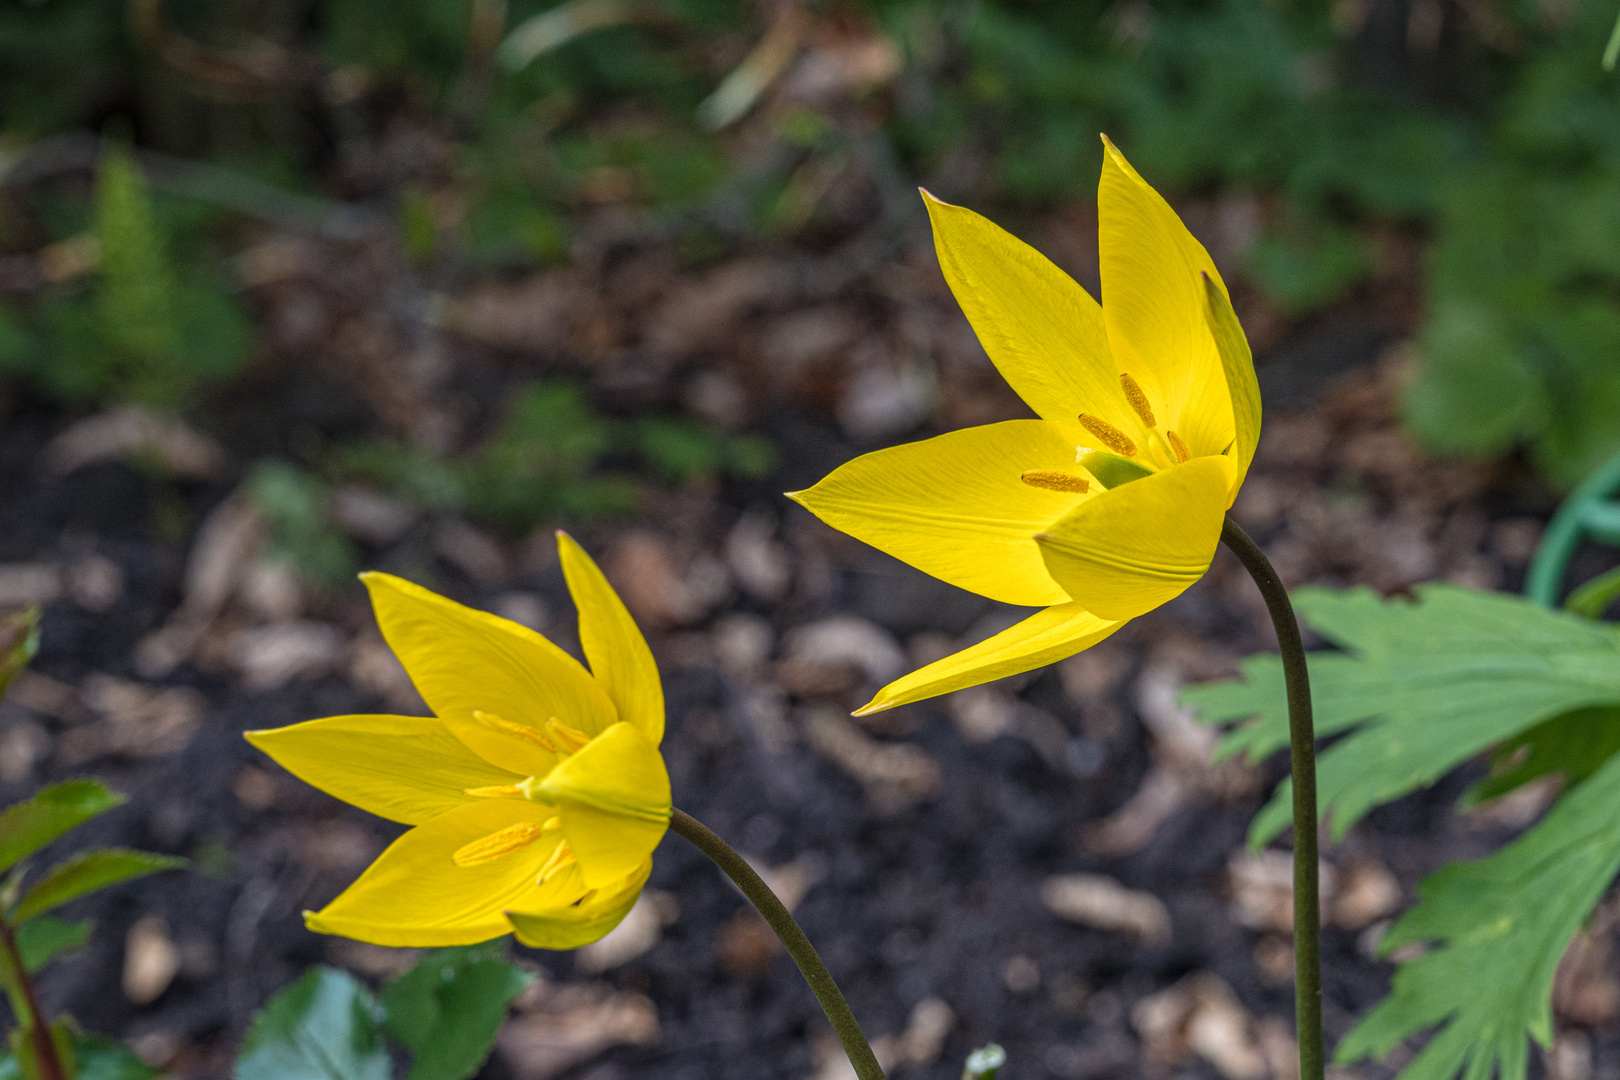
pixel 1420 686
pixel 1500 926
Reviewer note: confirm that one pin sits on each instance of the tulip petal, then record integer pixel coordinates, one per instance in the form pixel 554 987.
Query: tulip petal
pixel 955 507
pixel 1044 638
pixel 1238 364
pixel 618 654
pixel 1153 306
pixel 1138 546
pixel 569 925
pixel 404 768
pixel 613 797
pixel 1044 333
pixel 414 895
pixel 463 660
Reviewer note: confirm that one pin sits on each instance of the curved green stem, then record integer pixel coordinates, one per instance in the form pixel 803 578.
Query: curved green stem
pixel 1302 756
pixel 798 946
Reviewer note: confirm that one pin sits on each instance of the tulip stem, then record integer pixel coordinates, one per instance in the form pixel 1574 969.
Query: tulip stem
pixel 1302 756
pixel 798 946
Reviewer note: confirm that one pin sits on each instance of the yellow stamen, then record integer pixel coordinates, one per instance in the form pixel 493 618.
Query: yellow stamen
pixel 492 847
pixel 560 860
pixel 1182 453
pixel 1138 400
pixel 501 791
pixel 1056 480
pixel 1109 435
pixel 551 824
pixel 517 731
pixel 570 739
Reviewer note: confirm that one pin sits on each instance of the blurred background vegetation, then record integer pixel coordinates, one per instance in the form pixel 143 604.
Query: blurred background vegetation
pixel 141 141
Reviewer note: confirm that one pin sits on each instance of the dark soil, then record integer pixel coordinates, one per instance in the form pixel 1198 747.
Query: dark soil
pixel 927 900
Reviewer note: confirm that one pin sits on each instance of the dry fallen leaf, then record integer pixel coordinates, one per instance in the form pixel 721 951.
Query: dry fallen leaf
pixel 225 546
pixel 638 933
pixel 1102 903
pixel 270 656
pixel 1200 1015
pixel 895 775
pixel 564 1026
pixel 133 430
pixel 132 718
pixel 151 960
pixel 1262 887
pixel 838 653
pixel 1365 891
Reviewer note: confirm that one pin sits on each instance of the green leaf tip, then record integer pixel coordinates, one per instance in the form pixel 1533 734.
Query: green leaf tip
pixel 1416 687
pixel 27 826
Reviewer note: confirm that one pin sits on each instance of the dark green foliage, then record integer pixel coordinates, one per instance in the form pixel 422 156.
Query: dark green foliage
pixel 322 1027
pixel 549 458
pixel 680 451
pixel 88 873
pixel 1000 103
pixel 19 641
pixel 27 826
pixel 327 1026
pixel 294 502
pixel 45 937
pixel 447 1009
pixel 95 1057
pixel 1420 688
pixel 540 462
pixel 1523 342
pixel 1500 926
pixel 1573 745
pixel 141 330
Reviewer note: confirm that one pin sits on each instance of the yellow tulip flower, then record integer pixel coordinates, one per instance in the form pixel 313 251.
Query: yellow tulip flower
pixel 1112 502
pixel 536 790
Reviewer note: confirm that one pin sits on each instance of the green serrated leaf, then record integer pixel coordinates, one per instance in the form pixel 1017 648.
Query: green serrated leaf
pixel 325 1026
pixel 447 1009
pixel 28 826
pixel 1574 745
pixel 45 937
pixel 1500 925
pixel 19 641
pixel 87 872
pixel 1420 687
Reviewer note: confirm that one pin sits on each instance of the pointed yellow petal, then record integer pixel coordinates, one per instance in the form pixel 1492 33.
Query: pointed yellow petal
pixel 956 506
pixel 463 660
pixel 1042 330
pixel 613 798
pixel 403 768
pixel 1153 306
pixel 1238 364
pixel 570 925
pixel 1044 638
pixel 1135 547
pixel 415 894
pixel 617 652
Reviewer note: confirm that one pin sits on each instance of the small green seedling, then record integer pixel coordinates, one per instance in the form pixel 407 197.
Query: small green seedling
pixel 984 1063
pixel 445 1011
pixel 30 936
